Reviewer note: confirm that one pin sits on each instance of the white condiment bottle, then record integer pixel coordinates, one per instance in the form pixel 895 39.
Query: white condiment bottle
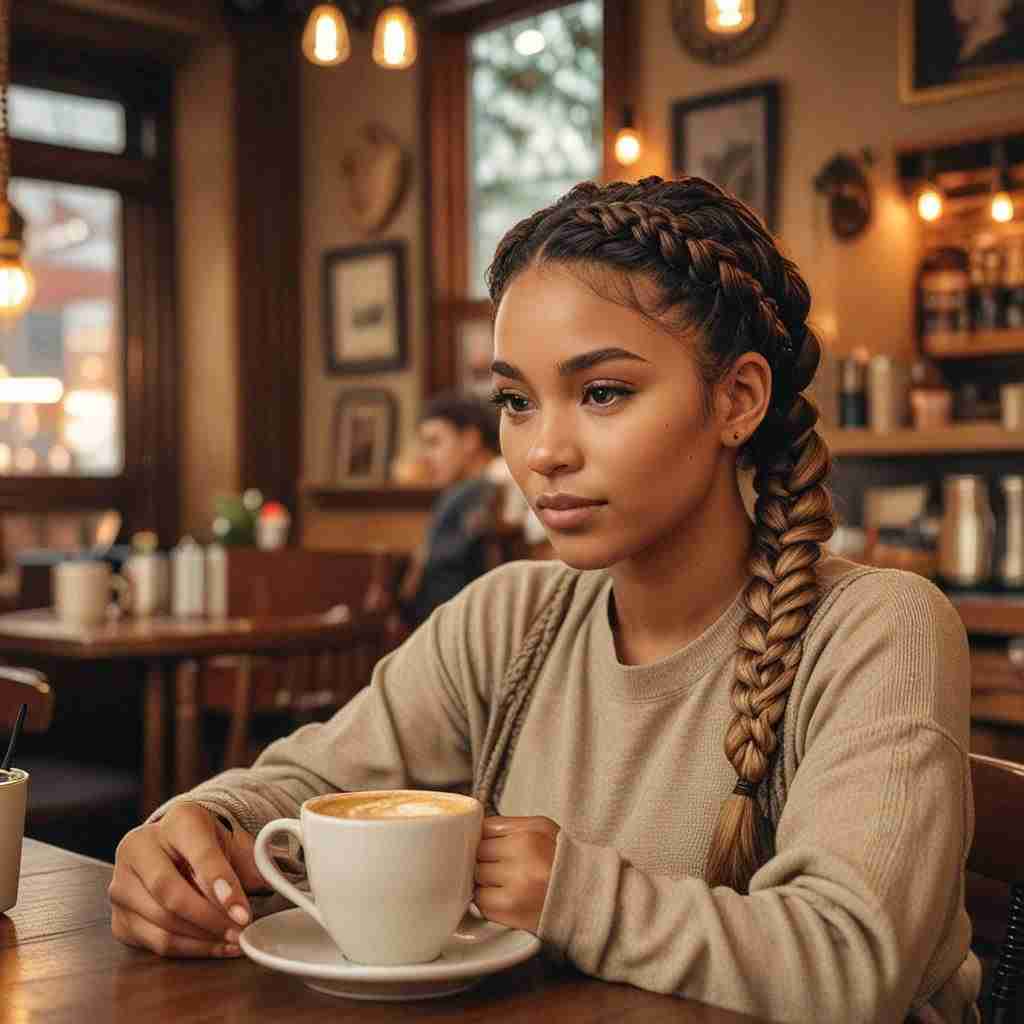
pixel 216 580
pixel 188 578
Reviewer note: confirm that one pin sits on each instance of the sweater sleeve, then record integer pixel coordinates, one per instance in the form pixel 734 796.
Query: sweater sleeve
pixel 846 921
pixel 417 725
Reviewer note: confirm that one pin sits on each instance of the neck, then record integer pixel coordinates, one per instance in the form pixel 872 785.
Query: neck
pixel 666 597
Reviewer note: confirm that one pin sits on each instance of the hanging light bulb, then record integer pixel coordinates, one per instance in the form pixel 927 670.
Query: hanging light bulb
pixel 627 142
pixel 325 39
pixel 17 287
pixel 1001 208
pixel 394 38
pixel 929 198
pixel 729 17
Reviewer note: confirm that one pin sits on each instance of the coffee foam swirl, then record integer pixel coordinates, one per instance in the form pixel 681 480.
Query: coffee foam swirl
pixel 396 805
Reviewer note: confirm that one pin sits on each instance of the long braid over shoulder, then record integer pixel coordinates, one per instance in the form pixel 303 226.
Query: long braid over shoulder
pixel 722 284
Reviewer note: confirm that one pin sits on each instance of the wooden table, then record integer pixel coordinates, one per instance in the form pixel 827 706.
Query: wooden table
pixel 162 645
pixel 60 963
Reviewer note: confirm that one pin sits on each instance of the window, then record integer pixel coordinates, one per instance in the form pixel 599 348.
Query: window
pixel 82 122
pixel 535 120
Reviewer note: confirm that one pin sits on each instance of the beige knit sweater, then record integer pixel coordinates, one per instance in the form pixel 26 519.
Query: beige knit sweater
pixel 858 917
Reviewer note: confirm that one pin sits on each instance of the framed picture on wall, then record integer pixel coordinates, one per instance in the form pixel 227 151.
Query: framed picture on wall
pixel 364 430
pixel 952 48
pixel 364 318
pixel 732 139
pixel 475 355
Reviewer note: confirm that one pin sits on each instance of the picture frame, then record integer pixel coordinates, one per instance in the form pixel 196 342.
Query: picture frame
pixel 365 327
pixel 364 429
pixel 474 355
pixel 732 139
pixel 948 50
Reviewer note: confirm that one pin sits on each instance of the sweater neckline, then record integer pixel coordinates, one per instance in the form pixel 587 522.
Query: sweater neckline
pixel 676 671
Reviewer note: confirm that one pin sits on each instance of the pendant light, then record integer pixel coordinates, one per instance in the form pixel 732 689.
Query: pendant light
pixel 17 286
pixel 729 17
pixel 1001 208
pixel 394 38
pixel 929 198
pixel 627 142
pixel 325 39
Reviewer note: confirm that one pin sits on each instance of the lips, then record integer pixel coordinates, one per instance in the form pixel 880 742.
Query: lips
pixel 562 502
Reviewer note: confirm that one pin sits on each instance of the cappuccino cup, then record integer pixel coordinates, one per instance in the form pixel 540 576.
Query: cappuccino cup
pixel 13 799
pixel 390 871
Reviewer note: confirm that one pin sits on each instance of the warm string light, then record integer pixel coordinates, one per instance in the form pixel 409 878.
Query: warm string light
pixel 326 41
pixel 1001 208
pixel 929 198
pixel 17 286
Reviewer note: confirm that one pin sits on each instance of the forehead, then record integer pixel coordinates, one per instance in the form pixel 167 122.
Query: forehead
pixel 549 313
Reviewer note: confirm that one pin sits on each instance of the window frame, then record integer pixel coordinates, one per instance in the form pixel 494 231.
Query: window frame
pixel 146 491
pixel 445 131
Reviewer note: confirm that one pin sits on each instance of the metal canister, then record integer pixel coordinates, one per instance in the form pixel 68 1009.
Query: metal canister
pixel 888 393
pixel 1011 563
pixel 967 532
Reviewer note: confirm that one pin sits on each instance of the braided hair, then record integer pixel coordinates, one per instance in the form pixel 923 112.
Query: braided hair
pixel 720 275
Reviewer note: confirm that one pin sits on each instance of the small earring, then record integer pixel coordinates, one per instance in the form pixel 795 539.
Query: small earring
pixel 735 437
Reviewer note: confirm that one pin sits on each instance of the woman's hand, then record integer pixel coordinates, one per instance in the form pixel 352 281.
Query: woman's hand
pixel 179 885
pixel 513 868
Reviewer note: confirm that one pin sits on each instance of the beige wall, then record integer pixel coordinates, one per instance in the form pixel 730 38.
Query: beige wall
pixel 837 64
pixel 336 104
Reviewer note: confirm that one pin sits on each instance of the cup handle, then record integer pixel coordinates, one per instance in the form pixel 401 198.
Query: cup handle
pixel 123 590
pixel 272 873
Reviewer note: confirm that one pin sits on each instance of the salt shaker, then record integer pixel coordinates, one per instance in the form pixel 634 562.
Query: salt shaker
pixel 216 580
pixel 188 578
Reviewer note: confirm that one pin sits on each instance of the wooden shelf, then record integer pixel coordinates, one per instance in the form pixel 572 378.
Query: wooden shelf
pixel 990 614
pixel 958 437
pixel 979 343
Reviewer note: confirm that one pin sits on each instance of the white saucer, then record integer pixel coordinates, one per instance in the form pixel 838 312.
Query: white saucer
pixel 292 942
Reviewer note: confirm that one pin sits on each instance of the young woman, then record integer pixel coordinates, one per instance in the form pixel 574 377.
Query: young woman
pixel 714 762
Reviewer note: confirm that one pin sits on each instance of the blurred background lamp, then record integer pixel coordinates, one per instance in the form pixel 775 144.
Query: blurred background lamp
pixel 325 39
pixel 729 17
pixel 394 38
pixel 627 142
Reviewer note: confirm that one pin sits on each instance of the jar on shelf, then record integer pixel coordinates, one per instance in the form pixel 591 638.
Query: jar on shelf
pixel 944 297
pixel 987 292
pixel 1013 284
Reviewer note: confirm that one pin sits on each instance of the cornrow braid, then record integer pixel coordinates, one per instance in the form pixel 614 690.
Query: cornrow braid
pixel 718 270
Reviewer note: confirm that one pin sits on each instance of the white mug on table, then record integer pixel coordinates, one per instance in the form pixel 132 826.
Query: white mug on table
pixel 13 800
pixel 82 591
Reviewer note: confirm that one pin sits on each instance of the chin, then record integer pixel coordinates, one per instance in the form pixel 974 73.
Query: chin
pixel 583 552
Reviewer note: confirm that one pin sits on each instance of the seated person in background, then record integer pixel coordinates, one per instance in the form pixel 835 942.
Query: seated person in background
pixel 458 438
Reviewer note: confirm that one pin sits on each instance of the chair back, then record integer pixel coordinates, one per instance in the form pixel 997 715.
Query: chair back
pixel 25 686
pixel 998 853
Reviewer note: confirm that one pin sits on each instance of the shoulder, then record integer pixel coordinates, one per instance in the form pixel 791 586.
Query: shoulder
pixel 482 628
pixel 883 644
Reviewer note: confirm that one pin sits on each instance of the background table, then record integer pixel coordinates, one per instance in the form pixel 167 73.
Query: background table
pixel 60 963
pixel 162 644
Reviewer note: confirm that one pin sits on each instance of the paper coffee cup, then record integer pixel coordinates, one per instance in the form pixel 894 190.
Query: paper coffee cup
pixel 388 888
pixel 13 801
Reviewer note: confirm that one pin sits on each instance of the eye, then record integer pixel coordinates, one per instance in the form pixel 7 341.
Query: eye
pixel 510 401
pixel 604 395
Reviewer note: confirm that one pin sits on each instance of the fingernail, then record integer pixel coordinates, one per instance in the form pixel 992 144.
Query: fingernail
pixel 231 937
pixel 239 914
pixel 222 890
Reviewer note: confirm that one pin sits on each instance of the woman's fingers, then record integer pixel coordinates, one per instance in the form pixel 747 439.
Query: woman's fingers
pixel 134 930
pixel 491 874
pixel 128 894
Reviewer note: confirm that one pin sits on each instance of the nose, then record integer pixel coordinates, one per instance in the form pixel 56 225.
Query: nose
pixel 553 449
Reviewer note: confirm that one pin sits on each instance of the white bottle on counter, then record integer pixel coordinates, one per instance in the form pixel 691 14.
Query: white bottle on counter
pixel 188 578
pixel 216 580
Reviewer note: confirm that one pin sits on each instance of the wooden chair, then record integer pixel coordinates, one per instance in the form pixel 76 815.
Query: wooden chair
pixel 998 853
pixel 269 693
pixel 80 805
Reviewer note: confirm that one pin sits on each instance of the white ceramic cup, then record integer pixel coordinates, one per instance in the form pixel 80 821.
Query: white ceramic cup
pixel 387 890
pixel 82 591
pixel 13 800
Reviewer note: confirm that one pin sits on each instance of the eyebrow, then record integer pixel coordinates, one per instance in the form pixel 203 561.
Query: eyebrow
pixel 584 361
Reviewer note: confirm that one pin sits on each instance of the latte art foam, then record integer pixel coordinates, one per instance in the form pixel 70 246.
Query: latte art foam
pixel 389 805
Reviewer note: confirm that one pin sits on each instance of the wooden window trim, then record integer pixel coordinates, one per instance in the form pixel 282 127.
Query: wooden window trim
pixel 443 113
pixel 146 491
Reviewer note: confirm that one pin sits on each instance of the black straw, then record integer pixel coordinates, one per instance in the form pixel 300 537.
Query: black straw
pixel 14 739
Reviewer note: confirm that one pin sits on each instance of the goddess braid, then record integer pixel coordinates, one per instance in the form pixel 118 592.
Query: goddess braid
pixel 718 269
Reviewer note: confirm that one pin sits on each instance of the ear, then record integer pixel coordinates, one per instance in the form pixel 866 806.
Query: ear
pixel 742 398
